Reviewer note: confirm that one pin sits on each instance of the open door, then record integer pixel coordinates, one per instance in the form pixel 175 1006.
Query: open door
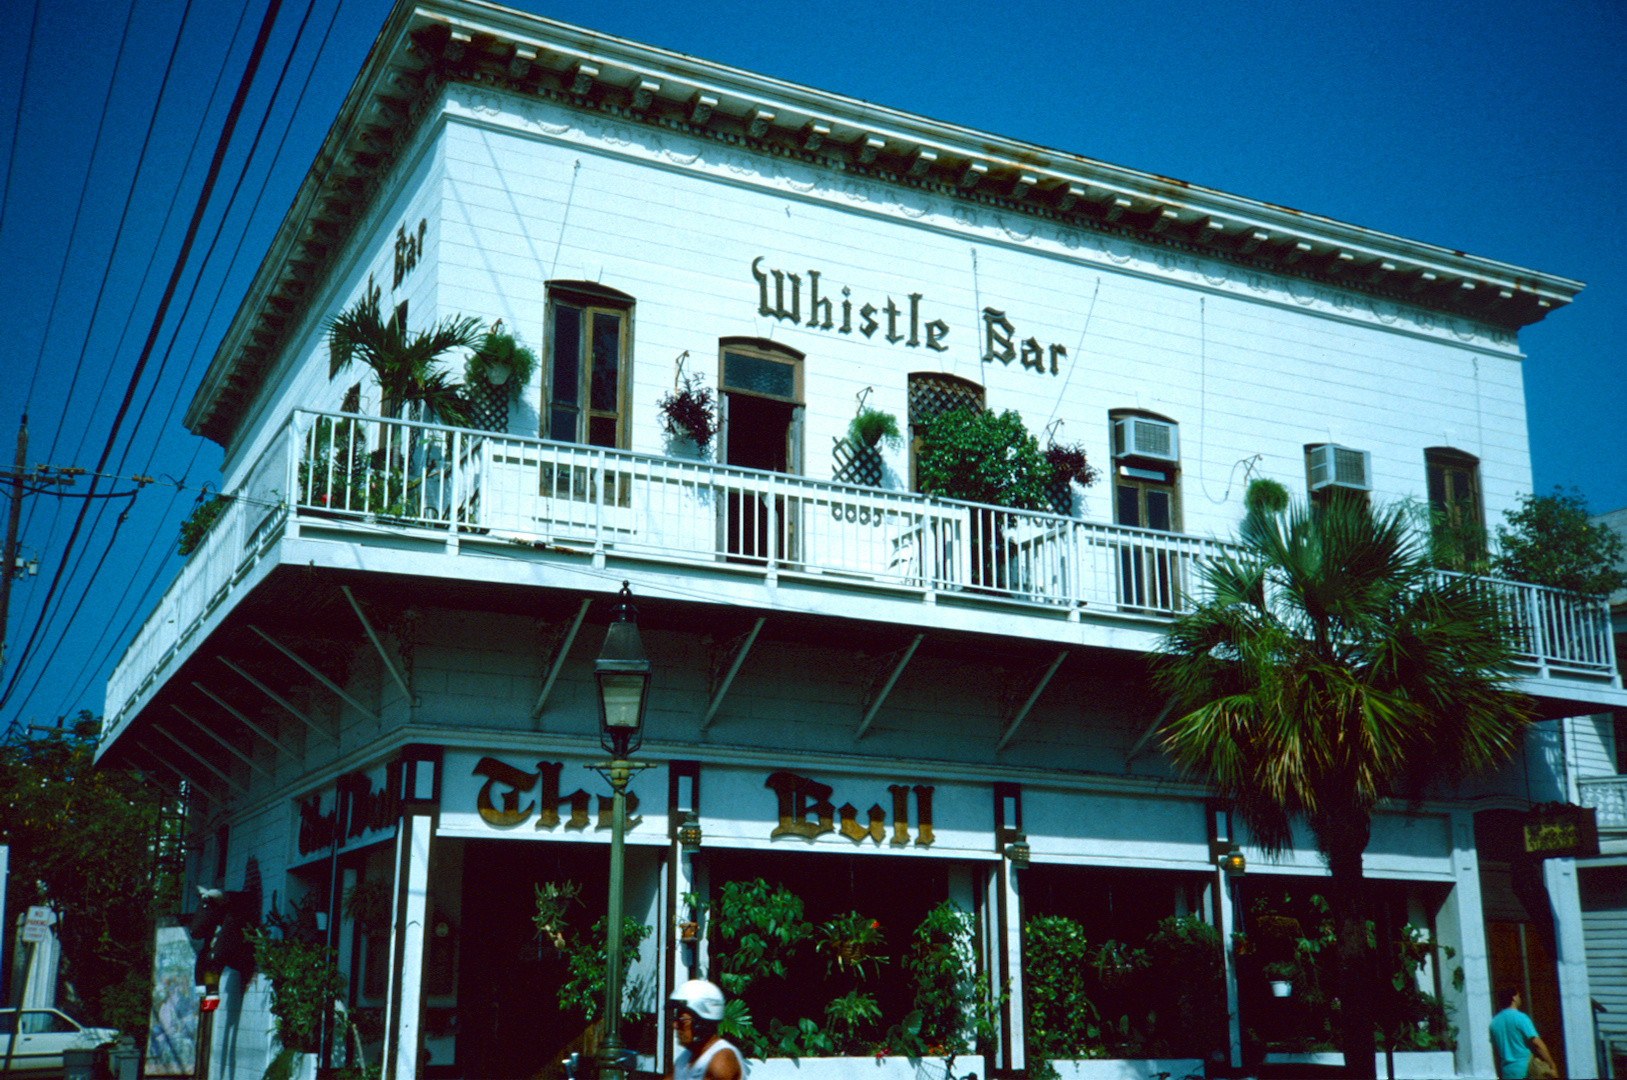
pixel 761 428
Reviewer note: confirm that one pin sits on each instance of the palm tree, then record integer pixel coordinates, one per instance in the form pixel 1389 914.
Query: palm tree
pixel 405 365
pixel 1328 669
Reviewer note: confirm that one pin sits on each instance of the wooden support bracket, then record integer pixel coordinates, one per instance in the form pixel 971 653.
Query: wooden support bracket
pixel 896 662
pixel 733 654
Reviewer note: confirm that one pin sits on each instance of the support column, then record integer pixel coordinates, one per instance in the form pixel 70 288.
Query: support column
pixel 403 1038
pixel 1570 959
pixel 1461 923
pixel 1226 922
pixel 1009 943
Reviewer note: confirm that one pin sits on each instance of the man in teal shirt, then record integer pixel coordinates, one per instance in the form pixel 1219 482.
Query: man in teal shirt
pixel 1514 1038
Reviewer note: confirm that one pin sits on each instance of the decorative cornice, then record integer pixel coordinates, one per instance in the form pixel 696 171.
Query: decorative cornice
pixel 423 45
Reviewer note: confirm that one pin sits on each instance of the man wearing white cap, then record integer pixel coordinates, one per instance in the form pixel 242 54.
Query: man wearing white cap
pixel 697 1008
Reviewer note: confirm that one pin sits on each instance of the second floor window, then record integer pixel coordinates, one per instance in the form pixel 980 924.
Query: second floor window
pixel 1456 522
pixel 589 344
pixel 1146 471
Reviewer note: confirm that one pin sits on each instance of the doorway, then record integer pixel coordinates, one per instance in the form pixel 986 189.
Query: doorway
pixel 761 429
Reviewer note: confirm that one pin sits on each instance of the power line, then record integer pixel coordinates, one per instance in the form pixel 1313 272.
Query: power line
pixel 210 179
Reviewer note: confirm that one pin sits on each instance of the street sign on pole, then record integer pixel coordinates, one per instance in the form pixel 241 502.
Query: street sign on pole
pixel 37 925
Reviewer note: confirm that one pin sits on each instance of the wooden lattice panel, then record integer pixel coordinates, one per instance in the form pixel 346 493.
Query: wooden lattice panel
pixel 933 395
pixel 489 406
pixel 856 463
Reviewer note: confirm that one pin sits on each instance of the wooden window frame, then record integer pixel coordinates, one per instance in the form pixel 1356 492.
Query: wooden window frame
pixel 592 300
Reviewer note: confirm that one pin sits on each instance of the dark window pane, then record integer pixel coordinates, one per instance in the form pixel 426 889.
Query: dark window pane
pixel 567 350
pixel 606 361
pixel 602 431
pixel 562 425
pixel 1129 505
pixel 1437 486
pixel 1158 516
pixel 758 375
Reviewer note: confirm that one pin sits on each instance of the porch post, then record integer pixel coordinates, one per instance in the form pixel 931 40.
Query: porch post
pixel 403 1009
pixel 1010 954
pixel 1575 1002
pixel 1461 923
pixel 1226 921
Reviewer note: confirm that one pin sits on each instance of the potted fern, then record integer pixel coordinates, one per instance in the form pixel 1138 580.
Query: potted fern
pixel 501 361
pixel 690 412
pixel 872 428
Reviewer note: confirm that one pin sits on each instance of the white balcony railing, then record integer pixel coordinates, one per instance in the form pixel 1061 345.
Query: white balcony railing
pixel 401 474
pixel 1608 797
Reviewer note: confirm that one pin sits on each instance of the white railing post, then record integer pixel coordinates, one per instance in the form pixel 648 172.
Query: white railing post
pixel 295 496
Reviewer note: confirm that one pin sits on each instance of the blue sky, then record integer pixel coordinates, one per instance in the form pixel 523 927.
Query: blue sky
pixel 1494 128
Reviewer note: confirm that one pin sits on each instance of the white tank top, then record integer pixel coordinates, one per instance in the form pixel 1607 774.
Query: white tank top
pixel 684 1069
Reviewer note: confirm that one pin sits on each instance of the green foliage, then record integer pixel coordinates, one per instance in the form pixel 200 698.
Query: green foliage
pixel 853 1019
pixel 1265 496
pixel 587 959
pixel 1549 541
pixel 1061 1021
pixel 690 412
pixel 306 984
pixel 586 953
pixel 499 351
pixel 761 926
pixel 872 426
pixel 1328 668
pixel 1297 939
pixel 850 943
pixel 983 457
pixel 954 1012
pixel 94 845
pixel 368 903
pixel 406 365
pixel 198 523
pixel 1068 463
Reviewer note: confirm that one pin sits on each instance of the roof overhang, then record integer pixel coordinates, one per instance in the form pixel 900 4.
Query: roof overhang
pixel 425 45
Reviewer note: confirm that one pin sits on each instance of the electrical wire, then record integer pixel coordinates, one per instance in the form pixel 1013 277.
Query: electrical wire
pixel 210 179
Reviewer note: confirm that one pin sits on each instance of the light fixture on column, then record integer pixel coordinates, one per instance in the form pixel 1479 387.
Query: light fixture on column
pixel 1018 851
pixel 689 832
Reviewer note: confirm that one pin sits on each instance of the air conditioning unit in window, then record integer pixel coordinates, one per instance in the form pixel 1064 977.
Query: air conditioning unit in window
pixel 1340 466
pixel 1138 437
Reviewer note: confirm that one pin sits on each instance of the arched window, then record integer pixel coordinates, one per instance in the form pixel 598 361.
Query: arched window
pixel 931 394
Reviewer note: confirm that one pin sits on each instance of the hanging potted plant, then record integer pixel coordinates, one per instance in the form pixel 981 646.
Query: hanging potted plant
pixel 1068 466
pixel 872 428
pixel 501 361
pixel 689 923
pixel 1281 977
pixel 849 942
pixel 1115 962
pixel 690 412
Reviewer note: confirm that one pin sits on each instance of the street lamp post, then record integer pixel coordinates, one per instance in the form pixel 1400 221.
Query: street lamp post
pixel 623 674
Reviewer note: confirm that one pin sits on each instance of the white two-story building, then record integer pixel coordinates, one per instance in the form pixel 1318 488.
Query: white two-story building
pixel 376 670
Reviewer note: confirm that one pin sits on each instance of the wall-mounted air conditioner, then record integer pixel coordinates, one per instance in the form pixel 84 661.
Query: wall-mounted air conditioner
pixel 1340 466
pixel 1139 437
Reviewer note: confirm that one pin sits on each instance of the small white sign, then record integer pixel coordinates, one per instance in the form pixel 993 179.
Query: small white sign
pixel 37 925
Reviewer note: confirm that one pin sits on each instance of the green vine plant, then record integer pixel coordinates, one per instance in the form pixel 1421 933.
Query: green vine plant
pixel 586 952
pixel 760 928
pixel 205 512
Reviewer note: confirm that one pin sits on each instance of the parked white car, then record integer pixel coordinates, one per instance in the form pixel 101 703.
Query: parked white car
pixel 42 1035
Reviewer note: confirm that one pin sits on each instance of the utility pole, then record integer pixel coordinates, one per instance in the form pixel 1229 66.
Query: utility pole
pixel 20 476
pixel 8 559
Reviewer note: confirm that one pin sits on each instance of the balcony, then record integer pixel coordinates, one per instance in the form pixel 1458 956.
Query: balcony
pixel 367 481
pixel 1608 797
